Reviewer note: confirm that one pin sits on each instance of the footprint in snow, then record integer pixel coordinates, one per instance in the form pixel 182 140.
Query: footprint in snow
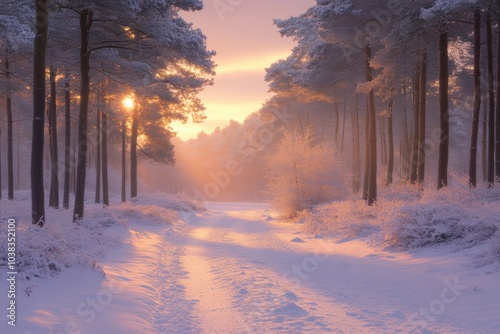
pixel 291 296
pixel 298 240
pixel 291 310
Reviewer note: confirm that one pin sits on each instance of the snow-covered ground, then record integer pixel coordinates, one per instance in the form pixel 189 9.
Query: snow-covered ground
pixel 235 269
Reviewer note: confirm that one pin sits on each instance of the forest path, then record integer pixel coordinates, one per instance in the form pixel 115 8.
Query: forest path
pixel 249 279
pixel 236 267
pixel 249 273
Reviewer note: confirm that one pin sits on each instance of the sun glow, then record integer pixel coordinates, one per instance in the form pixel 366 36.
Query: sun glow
pixel 128 102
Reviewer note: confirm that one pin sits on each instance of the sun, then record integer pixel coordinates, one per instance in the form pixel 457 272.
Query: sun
pixel 128 102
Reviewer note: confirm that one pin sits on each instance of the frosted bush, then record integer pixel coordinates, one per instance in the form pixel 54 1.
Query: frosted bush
pixel 455 215
pixel 302 174
pixel 417 226
pixel 461 217
pixel 60 244
pixel 349 218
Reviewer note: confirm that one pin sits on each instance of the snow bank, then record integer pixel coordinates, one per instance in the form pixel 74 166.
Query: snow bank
pixel 178 202
pixel 457 216
pixel 60 244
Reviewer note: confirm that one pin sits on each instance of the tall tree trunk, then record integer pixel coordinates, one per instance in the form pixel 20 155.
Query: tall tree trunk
pixel 367 154
pixel 337 125
pixel 104 160
pixel 497 141
pixel 40 50
pixel 73 167
pixel 67 141
pixel 416 126
pixel 422 121
pixel 406 146
pixel 484 145
pixel 18 174
pixel 444 139
pixel 10 151
pixel 133 153
pixel 477 99
pixel 98 153
pixel 390 162
pixel 372 174
pixel 89 156
pixel 54 156
pixel 124 162
pixel 0 164
pixel 355 148
pixel 85 25
pixel 358 147
pixel 343 131
pixel 491 118
pixel 383 144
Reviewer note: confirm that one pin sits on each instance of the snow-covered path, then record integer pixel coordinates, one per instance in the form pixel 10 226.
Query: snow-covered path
pixel 237 270
pixel 233 269
pixel 250 274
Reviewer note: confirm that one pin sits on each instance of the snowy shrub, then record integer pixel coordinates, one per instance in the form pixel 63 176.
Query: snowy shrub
pixel 302 174
pixel 348 219
pixel 458 216
pixel 418 226
pixel 455 215
pixel 178 202
pixel 146 214
pixel 44 252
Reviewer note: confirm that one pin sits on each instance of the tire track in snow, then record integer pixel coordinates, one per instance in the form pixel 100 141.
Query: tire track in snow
pixel 269 303
pixel 262 299
pixel 173 311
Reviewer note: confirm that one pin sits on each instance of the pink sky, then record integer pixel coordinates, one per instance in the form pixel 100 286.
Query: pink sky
pixel 246 40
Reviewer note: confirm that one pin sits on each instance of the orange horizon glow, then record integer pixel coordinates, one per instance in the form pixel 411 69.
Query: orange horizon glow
pixel 247 42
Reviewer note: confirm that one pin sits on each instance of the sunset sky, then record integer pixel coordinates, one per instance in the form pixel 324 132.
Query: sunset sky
pixel 246 42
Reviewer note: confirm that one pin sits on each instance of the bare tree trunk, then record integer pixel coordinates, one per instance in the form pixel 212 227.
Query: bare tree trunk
pixel 367 154
pixel 422 121
pixel 484 145
pixel 67 142
pixel 54 156
pixel 355 148
pixel 497 137
pixel 383 143
pixel 40 49
pixel 85 25
pixel 98 153
pixel 358 147
pixel 89 156
pixel 104 152
pixel 405 156
pixel 390 162
pixel 124 162
pixel 0 164
pixel 343 131
pixel 133 153
pixel 491 118
pixel 337 125
pixel 444 140
pixel 372 174
pixel 18 174
pixel 416 132
pixel 477 99
pixel 10 151
pixel 73 168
